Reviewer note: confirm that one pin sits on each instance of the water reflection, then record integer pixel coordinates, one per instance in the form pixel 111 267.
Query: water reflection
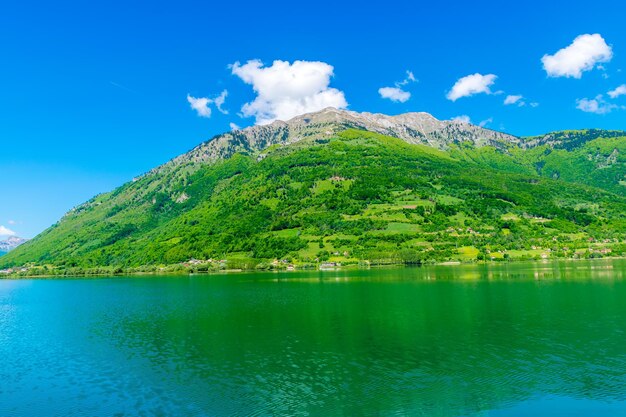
pixel 442 341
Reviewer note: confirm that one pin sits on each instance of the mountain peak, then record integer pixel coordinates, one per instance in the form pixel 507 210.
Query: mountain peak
pixel 334 115
pixel 415 128
pixel 11 243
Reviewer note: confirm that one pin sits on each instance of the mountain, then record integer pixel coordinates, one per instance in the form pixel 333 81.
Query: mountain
pixel 10 243
pixel 595 157
pixel 340 186
pixel 414 128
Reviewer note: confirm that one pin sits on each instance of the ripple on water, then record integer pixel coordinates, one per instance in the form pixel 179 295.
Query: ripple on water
pixel 386 346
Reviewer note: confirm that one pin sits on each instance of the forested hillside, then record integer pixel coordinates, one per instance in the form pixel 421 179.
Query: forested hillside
pixel 352 197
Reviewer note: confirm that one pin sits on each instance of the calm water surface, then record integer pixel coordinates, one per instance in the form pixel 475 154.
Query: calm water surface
pixel 506 340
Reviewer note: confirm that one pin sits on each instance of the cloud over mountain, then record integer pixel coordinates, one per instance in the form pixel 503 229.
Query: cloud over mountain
pixel 583 54
pixel 202 104
pixel 394 94
pixel 461 119
pixel 397 93
pixel 6 231
pixel 471 85
pixel 595 105
pixel 285 90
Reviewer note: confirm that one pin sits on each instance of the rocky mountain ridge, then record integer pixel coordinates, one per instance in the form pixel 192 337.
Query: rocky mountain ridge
pixel 415 128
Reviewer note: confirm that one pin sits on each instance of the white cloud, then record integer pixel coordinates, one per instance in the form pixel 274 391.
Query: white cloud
pixel 595 105
pixel 233 126
pixel 394 94
pixel 397 93
pixel 486 122
pixel 12 222
pixel 603 69
pixel 202 104
pixel 219 101
pixel 581 55
pixel 470 85
pixel 6 232
pixel 287 90
pixel 534 104
pixel 410 78
pixel 514 99
pixel 461 119
pixel 619 91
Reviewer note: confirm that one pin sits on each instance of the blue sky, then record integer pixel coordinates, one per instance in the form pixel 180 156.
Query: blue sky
pixel 95 93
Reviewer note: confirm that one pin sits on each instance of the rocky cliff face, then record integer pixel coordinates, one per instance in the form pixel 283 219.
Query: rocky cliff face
pixel 415 128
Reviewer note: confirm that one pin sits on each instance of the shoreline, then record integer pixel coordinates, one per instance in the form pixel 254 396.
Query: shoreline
pixel 351 267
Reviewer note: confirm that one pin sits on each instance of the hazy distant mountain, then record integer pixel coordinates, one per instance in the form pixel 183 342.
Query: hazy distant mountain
pixel 10 244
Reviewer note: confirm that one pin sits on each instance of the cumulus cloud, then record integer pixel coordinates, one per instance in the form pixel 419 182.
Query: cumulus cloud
pixel 595 105
pixel 219 101
pixel 514 99
pixel 486 122
pixel 202 104
pixel 6 232
pixel 233 126
pixel 619 91
pixel 285 90
pixel 394 94
pixel 470 85
pixel 397 93
pixel 461 119
pixel 583 54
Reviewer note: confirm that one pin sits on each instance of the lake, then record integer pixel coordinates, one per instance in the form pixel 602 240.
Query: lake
pixel 465 340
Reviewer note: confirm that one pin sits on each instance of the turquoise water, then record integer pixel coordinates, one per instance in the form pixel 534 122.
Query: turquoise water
pixel 505 340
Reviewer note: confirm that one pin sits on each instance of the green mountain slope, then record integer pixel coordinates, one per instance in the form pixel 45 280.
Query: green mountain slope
pixel 593 157
pixel 350 196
